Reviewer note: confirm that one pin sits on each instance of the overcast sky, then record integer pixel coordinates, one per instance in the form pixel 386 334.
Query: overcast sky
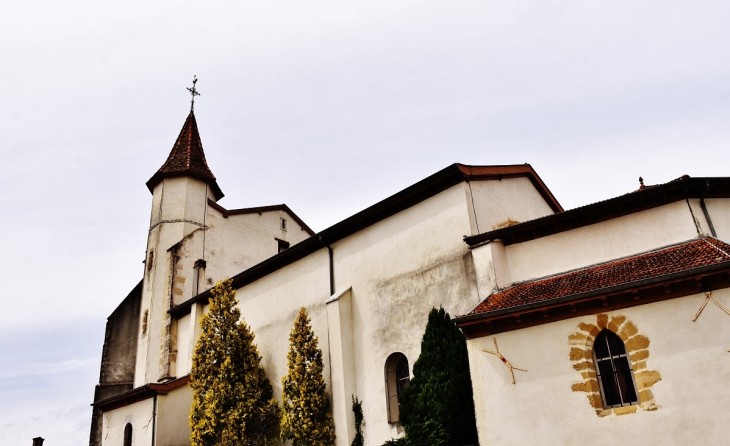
pixel 327 106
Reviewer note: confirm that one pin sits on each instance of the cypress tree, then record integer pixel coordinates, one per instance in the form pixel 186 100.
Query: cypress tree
pixel 305 409
pixel 441 389
pixel 359 440
pixel 232 398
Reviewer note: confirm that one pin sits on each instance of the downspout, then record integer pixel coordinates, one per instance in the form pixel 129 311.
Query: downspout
pixel 704 208
pixel 332 266
pixel 154 418
pixel 691 212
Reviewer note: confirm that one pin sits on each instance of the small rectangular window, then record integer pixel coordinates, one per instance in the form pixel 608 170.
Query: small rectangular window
pixel 283 244
pixel 283 224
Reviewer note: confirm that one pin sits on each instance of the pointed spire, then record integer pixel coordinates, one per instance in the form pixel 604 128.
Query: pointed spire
pixel 187 159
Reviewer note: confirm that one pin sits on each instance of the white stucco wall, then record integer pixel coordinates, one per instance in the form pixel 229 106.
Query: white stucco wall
pixel 239 242
pixel 178 210
pixel 181 217
pixel 541 408
pixel 182 344
pixel 600 242
pixel 173 428
pixel 500 203
pixel 397 270
pixel 719 210
pixel 138 414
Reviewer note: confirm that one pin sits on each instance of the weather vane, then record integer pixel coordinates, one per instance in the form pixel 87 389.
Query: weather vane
pixel 193 93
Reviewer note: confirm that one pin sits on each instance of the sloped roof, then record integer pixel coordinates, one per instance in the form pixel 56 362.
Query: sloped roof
pixel 686 256
pixel 410 196
pixel 639 200
pixel 187 159
pixel 259 210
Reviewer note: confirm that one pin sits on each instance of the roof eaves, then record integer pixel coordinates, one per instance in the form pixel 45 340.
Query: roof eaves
pixel 684 187
pixel 594 293
pixel 404 199
pixel 140 393
pixel 260 209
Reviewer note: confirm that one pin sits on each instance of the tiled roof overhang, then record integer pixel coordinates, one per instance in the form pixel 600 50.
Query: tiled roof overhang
pixel 426 188
pixel 674 271
pixel 637 201
pixel 140 394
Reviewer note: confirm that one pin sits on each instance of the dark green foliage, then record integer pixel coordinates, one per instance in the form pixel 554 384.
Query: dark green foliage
pixel 441 386
pixel 430 433
pixel 357 409
pixel 396 442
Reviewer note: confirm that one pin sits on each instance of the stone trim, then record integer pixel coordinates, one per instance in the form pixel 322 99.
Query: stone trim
pixel 637 348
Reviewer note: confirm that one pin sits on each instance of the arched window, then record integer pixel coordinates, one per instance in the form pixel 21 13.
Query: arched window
pixel 397 376
pixel 613 370
pixel 128 434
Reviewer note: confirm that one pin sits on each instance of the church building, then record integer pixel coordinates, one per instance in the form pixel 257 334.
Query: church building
pixel 602 324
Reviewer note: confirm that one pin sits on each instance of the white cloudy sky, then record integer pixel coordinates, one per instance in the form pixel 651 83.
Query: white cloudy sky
pixel 328 106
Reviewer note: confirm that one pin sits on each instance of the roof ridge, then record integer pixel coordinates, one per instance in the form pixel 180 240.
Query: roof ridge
pixel 717 248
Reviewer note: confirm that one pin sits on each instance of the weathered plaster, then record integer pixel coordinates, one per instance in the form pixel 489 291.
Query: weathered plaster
pixel 691 358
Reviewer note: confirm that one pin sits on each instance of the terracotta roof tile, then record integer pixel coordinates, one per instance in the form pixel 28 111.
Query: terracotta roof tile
pixel 187 158
pixel 682 257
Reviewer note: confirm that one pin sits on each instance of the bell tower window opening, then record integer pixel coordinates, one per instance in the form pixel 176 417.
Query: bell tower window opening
pixel 613 370
pixel 198 275
pixel 150 260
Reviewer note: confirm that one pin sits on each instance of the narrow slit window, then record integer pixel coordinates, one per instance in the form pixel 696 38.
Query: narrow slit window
pixel 128 434
pixel 198 276
pixel 283 224
pixel 613 370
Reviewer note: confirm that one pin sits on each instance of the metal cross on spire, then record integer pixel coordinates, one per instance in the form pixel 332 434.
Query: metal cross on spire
pixel 193 93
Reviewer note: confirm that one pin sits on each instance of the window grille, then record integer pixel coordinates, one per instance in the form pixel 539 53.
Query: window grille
pixel 613 370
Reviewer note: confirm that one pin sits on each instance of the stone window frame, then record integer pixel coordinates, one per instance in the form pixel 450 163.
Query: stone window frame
pixel 637 349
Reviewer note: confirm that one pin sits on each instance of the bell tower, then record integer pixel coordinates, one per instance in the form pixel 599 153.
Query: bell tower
pixel 180 191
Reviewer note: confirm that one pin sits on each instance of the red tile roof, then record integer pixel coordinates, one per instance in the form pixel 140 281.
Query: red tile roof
pixel 673 259
pixel 187 159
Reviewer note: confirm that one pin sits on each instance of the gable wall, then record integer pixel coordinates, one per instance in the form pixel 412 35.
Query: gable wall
pixel 501 203
pixel 548 406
